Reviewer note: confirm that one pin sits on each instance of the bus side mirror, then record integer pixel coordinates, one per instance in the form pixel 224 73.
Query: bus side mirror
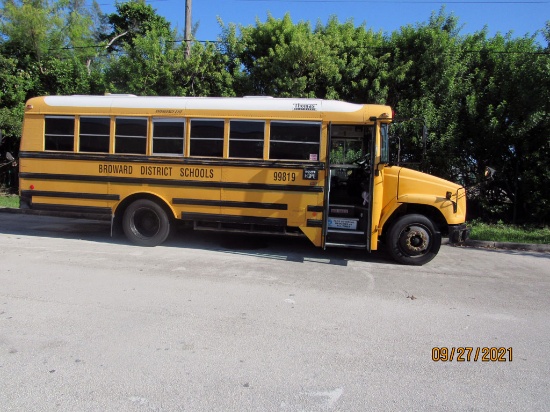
pixel 10 157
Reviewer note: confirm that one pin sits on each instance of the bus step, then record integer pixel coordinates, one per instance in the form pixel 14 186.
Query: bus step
pixel 348 245
pixel 347 232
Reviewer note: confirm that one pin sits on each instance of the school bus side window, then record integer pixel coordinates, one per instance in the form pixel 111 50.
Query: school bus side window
pixel 59 133
pixel 168 136
pixel 246 139
pixel 295 140
pixel 94 134
pixel 131 135
pixel 206 138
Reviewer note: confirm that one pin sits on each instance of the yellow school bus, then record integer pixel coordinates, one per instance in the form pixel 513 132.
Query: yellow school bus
pixel 312 167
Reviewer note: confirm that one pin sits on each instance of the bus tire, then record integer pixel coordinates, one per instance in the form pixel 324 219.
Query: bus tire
pixel 413 240
pixel 146 223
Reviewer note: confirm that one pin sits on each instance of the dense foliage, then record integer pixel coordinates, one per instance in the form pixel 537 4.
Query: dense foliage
pixel 485 100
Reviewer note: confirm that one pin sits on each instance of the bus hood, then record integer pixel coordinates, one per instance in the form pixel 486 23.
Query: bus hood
pixel 412 181
pixel 421 188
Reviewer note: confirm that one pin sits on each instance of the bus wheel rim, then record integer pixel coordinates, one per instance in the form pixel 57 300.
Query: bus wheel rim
pixel 145 223
pixel 414 240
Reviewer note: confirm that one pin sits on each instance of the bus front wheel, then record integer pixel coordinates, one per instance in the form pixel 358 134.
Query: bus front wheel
pixel 146 223
pixel 413 240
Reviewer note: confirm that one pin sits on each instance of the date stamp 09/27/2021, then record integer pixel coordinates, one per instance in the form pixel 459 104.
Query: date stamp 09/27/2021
pixel 472 354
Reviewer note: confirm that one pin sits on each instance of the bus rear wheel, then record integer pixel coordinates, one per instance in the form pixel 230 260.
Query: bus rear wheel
pixel 413 240
pixel 146 223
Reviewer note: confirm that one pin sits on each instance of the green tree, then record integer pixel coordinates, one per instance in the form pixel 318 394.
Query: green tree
pixel 362 63
pixel 44 49
pixel 506 122
pixel 429 88
pixel 280 58
pixel 14 86
pixel 205 73
pixel 31 29
pixel 36 31
pixel 131 21
pixel 144 67
pixel 149 60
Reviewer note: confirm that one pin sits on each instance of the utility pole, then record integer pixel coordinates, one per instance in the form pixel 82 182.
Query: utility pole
pixel 187 28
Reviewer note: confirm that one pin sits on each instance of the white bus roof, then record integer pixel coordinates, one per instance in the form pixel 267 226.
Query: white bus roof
pixel 204 103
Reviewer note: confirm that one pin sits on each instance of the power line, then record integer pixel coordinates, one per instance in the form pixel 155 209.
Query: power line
pixel 147 1
pixel 402 1
pixel 376 2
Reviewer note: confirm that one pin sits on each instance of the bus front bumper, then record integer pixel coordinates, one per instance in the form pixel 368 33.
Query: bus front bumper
pixel 458 233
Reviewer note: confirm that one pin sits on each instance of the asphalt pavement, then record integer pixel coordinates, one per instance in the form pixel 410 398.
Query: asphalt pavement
pixel 228 322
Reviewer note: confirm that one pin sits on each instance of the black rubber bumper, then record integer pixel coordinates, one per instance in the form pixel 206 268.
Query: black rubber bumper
pixel 458 233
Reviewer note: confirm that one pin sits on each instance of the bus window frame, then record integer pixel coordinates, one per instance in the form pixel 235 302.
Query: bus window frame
pixel 67 117
pixel 158 119
pixel 191 138
pixel 93 135
pixel 116 135
pixel 294 122
pixel 262 140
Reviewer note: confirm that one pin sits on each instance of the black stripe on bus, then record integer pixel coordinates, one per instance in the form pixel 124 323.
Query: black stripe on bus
pixel 314 223
pixel 108 158
pixel 227 203
pixel 171 182
pixel 311 208
pixel 68 195
pixel 88 210
pixel 255 220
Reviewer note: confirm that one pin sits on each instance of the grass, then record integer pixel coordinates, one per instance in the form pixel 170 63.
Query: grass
pixel 7 200
pixel 501 232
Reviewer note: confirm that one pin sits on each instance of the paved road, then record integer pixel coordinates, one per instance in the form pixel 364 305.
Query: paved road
pixel 212 322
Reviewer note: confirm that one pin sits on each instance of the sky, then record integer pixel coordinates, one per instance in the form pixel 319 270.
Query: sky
pixel 521 17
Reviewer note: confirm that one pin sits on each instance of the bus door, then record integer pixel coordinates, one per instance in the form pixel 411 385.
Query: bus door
pixel 346 217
